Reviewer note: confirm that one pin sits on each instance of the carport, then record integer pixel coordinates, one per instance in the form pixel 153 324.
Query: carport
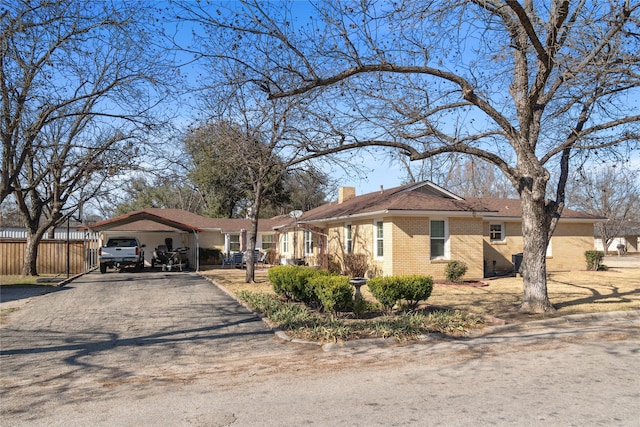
pixel 151 230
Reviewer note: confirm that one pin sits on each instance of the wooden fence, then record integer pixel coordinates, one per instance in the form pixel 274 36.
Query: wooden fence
pixel 52 256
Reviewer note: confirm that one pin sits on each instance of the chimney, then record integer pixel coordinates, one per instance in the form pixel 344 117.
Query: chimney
pixel 346 193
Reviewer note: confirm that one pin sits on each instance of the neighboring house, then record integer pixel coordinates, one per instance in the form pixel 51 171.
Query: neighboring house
pixel 629 237
pixel 418 228
pixel 185 229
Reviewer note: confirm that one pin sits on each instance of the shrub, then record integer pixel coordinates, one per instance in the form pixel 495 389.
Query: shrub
pixel 594 259
pixel 416 289
pixel 292 282
pixel 333 265
pixel 333 292
pixel 212 256
pixel 391 289
pixel 455 270
pixel 385 289
pixel 356 265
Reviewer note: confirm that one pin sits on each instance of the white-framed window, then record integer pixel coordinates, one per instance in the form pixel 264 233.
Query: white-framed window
pixel 348 239
pixel 234 242
pixel 308 242
pixel 439 239
pixel 496 232
pixel 267 242
pixel 378 238
pixel 285 243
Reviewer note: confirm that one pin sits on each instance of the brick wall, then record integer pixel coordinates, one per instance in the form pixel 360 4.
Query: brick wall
pixel 568 245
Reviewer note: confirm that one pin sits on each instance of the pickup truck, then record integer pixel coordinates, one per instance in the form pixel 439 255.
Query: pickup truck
pixel 121 252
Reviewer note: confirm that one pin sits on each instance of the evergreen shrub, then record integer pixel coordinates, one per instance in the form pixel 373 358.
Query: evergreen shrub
pixel 334 293
pixel 594 259
pixel 391 289
pixel 292 282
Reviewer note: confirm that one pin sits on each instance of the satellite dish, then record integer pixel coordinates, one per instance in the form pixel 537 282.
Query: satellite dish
pixel 295 214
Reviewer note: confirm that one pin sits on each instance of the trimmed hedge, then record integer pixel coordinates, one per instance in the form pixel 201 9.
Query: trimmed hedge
pixel 333 292
pixel 292 282
pixel 315 288
pixel 391 289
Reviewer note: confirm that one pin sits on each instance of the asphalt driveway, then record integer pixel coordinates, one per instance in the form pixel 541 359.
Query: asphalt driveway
pixel 106 329
pixel 158 349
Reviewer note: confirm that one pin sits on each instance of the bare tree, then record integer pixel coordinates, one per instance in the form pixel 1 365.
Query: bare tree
pixel 498 80
pixel 78 81
pixel 257 143
pixel 462 175
pixel 611 193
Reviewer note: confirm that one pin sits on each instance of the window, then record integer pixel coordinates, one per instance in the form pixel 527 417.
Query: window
pixel 549 250
pixel 234 242
pixel 496 232
pixel 379 239
pixel 267 242
pixel 285 243
pixel 348 239
pixel 308 242
pixel 439 239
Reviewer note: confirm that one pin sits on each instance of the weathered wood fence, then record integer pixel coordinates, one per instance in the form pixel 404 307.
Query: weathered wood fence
pixel 52 256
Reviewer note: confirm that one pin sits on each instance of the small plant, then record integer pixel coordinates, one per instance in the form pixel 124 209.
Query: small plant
pixel 356 265
pixel 594 259
pixel 455 270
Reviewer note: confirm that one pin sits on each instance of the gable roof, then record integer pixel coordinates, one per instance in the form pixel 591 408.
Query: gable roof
pixel 423 198
pixel 161 219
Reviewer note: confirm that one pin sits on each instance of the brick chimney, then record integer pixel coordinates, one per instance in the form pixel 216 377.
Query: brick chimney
pixel 346 193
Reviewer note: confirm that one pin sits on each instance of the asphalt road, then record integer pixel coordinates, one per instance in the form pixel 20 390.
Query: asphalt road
pixel 158 349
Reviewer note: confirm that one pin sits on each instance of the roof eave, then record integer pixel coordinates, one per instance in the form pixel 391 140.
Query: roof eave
pixel 396 212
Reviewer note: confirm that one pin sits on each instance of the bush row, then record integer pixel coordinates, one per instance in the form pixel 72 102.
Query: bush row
pixel 330 292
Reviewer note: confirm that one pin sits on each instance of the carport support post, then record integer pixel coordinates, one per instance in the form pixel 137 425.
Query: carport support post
pixel 195 234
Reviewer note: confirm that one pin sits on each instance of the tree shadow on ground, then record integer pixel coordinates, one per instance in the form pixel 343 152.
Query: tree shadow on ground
pixel 615 296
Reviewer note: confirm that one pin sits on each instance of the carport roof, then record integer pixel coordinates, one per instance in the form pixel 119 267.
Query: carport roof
pixel 157 219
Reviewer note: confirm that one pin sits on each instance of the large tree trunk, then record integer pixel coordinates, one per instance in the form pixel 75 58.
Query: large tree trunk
pixel 29 267
pixel 535 231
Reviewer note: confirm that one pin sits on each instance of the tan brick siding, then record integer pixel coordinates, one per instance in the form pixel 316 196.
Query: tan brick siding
pixel 407 245
pixel 568 245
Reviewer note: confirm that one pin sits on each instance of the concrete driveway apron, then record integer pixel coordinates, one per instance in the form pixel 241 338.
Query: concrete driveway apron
pixel 105 330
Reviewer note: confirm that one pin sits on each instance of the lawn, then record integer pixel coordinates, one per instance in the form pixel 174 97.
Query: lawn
pixel 571 292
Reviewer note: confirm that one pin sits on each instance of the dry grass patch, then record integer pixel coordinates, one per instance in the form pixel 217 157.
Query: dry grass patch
pixel 571 292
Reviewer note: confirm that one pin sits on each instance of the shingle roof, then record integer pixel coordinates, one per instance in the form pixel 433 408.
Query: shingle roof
pixel 160 219
pixel 409 197
pixel 422 197
pixel 509 208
